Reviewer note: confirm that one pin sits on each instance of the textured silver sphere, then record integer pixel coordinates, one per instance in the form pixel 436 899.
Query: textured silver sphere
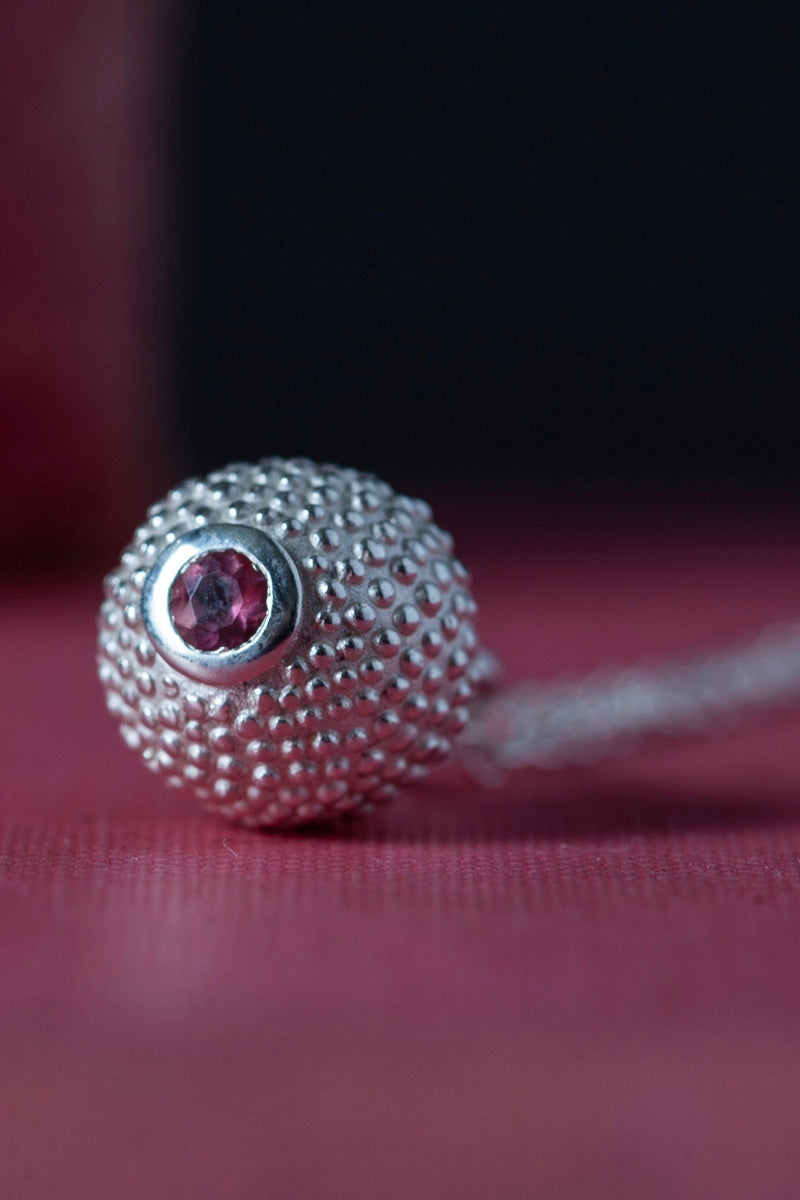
pixel 358 678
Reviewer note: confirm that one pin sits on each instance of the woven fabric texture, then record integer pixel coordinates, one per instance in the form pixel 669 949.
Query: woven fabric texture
pixel 574 985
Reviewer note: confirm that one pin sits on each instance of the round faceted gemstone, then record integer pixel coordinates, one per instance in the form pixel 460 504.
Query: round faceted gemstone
pixel 219 601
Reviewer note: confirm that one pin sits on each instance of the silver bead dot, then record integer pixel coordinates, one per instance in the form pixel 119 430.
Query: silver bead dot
pixel 387 643
pixel 407 618
pixel 404 569
pixel 360 617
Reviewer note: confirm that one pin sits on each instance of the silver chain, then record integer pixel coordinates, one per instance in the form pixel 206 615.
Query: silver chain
pixel 572 721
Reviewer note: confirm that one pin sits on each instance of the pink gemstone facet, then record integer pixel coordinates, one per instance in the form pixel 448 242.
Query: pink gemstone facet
pixel 219 601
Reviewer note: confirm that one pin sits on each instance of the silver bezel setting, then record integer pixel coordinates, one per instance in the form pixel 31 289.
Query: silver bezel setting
pixel 282 612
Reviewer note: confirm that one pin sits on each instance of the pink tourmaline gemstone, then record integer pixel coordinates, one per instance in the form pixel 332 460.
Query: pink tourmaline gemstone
pixel 219 601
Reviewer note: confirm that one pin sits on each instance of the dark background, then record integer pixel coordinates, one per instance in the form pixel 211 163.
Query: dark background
pixel 529 244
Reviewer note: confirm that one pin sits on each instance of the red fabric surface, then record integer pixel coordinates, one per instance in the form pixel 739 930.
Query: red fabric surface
pixel 582 985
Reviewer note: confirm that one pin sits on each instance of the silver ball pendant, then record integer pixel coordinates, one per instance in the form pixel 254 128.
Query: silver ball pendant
pixel 290 642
